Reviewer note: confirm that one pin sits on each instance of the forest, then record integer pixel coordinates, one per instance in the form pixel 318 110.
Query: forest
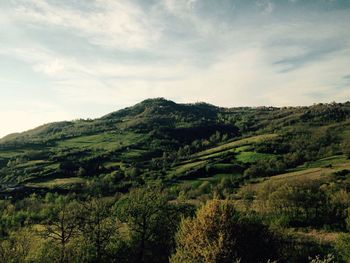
pixel 168 182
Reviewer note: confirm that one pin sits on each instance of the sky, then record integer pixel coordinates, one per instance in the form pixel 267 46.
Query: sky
pixel 70 59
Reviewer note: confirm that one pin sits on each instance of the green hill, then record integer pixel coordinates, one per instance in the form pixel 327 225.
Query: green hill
pixel 281 174
pixel 160 140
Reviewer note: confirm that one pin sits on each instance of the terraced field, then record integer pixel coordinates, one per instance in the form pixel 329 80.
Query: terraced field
pixel 233 145
pixel 242 147
pixel 105 141
pixel 251 157
pixel 318 170
pixel 57 183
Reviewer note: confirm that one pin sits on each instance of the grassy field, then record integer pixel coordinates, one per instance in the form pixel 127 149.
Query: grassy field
pixel 57 183
pixel 106 141
pixel 133 153
pixel 186 167
pixel 245 148
pixel 251 157
pixel 217 154
pixel 325 162
pixel 234 144
pixel 32 163
pixel 10 154
pixel 315 173
pixel 240 147
pixel 110 165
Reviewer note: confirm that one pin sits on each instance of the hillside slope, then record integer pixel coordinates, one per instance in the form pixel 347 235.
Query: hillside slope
pixel 160 140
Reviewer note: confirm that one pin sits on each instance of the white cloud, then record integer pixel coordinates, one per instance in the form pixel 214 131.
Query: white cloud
pixel 114 24
pixel 52 68
pixel 238 76
pixel 179 6
pixel 239 79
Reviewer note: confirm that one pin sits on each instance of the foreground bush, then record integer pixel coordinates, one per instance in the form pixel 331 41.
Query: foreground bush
pixel 219 234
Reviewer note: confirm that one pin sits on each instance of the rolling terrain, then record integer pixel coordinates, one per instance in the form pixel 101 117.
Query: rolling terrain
pixel 159 140
pixel 285 172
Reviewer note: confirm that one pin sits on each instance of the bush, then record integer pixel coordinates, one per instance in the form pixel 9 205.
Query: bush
pixel 219 234
pixel 342 246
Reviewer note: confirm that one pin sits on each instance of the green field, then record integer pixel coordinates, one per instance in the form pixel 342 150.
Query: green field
pixel 133 153
pixel 57 183
pixel 234 144
pixel 110 165
pixel 186 167
pixel 315 173
pixel 324 162
pixel 105 141
pixel 32 163
pixel 251 157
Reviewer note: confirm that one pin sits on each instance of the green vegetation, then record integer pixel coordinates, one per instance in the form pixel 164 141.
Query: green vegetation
pixel 252 157
pixel 126 187
pixel 106 141
pixel 218 233
pixel 232 145
pixel 57 183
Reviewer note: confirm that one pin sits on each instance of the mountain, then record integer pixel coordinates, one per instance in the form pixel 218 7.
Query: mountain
pixel 160 140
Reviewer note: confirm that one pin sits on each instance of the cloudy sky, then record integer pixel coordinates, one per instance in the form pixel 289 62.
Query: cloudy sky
pixel 68 59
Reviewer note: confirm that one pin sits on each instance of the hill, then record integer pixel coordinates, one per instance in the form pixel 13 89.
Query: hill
pixel 160 140
pixel 281 176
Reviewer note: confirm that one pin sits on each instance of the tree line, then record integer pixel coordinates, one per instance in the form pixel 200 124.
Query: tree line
pixel 145 226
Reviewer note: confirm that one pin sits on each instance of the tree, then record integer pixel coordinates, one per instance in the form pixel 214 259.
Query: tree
pixel 205 238
pixel 152 222
pixel 98 228
pixel 62 227
pixel 342 246
pixel 81 172
pixel 346 149
pixel 16 248
pixel 218 234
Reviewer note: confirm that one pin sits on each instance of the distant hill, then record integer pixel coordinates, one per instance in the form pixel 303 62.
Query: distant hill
pixel 160 140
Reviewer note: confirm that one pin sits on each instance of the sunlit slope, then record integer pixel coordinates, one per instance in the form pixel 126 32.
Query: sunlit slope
pixel 165 141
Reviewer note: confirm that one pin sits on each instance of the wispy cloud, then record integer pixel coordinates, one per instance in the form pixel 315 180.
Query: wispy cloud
pixel 110 23
pixel 310 54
